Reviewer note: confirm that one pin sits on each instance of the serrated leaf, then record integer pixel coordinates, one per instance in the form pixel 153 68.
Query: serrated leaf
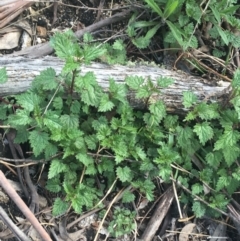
pixel 231 154
pixel 229 138
pixel 91 141
pixel 134 82
pixel 158 109
pixel 140 152
pixel 59 207
pixel 105 104
pixel 22 117
pixel 197 188
pixel 53 185
pixel 70 121
pixel 199 209
pixel 92 52
pixel 128 197
pixel 58 103
pixel 117 91
pixel 46 80
pixel 65 44
pixel 75 107
pixel 51 120
pixel 214 158
pixel 207 112
pixel 204 132
pixel 56 167
pixel 3 75
pixel 189 99
pixel 118 44
pixel 77 204
pixel 38 141
pixel 50 150
pixel 221 183
pixel 164 82
pixel 85 159
pixel 124 174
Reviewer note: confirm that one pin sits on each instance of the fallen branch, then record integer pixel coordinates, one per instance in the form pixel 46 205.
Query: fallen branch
pixel 21 71
pixel 44 49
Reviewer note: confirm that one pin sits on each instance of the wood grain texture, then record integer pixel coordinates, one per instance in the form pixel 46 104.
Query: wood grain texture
pixel 21 71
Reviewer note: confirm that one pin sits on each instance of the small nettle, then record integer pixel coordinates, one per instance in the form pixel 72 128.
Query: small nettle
pixel 133 148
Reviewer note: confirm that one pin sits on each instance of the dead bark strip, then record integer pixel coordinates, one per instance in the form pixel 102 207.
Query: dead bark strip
pixel 21 71
pixel 158 216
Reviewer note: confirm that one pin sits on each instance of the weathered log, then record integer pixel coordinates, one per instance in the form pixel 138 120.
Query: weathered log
pixel 21 71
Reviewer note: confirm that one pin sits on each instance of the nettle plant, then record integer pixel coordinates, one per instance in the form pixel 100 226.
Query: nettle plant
pixel 85 134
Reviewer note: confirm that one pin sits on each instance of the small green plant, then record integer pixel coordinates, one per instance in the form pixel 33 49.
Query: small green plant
pixel 122 223
pixel 84 132
pixel 180 20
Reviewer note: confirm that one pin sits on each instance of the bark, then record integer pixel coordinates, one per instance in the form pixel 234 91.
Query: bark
pixel 21 71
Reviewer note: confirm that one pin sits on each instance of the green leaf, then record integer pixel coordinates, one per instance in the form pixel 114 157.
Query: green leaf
pixel 164 82
pixel 58 103
pixel 176 32
pixel 85 159
pixel 154 7
pixel 46 80
pixel 229 138
pixel 158 109
pixel 53 185
pixel 91 141
pixel 77 204
pixel 3 75
pixel 128 197
pixel 134 82
pixel 119 92
pixel 22 117
pixel 214 158
pixel 69 121
pixel 204 132
pixel 141 42
pixel 38 141
pixel 189 99
pixel 59 207
pixel 236 79
pixel 119 45
pixel 223 35
pixel 92 52
pixel 65 44
pixel 124 174
pixel 28 100
pixel 199 209
pixel 221 183
pixel 51 120
pixel 197 189
pixel 207 112
pixel 105 104
pixel 170 8
pixel 75 107
pixel 231 153
pixel 56 167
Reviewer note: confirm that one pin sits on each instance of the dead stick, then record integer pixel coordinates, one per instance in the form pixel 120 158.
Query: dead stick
pixel 12 226
pixel 23 207
pixel 158 215
pixel 41 50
